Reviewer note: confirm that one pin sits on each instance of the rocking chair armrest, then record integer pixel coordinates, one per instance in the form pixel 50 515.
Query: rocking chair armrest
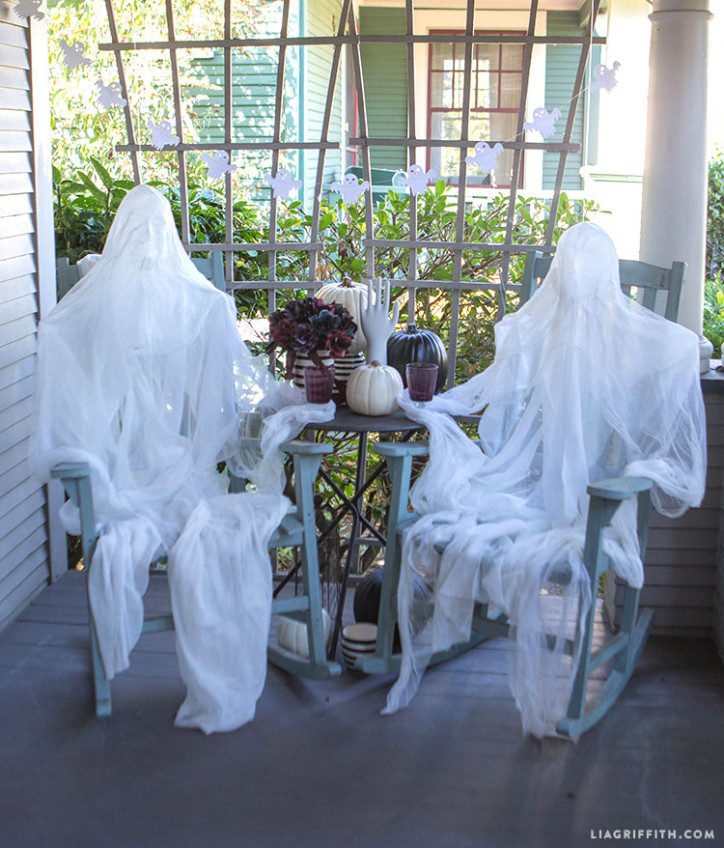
pixel 301 448
pixel 70 471
pixel 402 448
pixel 619 488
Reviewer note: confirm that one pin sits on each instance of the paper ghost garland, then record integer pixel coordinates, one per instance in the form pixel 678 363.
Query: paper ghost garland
pixel 73 54
pixel 283 183
pixel 109 96
pixel 416 179
pixel 486 157
pixel 543 121
pixel 217 164
pixel 604 77
pixel 29 8
pixel 161 135
pixel 350 188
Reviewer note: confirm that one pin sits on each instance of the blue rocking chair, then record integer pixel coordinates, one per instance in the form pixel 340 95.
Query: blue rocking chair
pixel 606 496
pixel 297 529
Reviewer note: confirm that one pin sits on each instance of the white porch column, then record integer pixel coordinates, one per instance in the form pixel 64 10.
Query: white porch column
pixel 673 216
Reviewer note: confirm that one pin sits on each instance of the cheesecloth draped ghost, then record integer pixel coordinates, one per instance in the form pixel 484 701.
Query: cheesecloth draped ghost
pixel 586 384
pixel 142 375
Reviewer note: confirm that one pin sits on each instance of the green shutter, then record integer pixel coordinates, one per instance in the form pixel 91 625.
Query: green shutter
pixel 322 19
pixel 254 77
pixel 561 66
pixel 384 69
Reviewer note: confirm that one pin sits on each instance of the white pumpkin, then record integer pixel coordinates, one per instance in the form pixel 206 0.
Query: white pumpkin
pixel 373 389
pixel 292 634
pixel 353 296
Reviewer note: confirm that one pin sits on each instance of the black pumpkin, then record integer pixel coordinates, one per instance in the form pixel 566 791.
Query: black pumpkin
pixel 413 345
pixel 367 599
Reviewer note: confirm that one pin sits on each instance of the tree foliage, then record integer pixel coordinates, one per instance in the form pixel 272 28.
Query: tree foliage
pixel 81 131
pixel 714 285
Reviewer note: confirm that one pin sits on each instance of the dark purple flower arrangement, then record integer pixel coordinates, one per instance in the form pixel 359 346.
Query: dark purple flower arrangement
pixel 310 325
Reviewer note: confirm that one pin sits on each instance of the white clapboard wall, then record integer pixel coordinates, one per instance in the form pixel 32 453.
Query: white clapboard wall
pixel 27 285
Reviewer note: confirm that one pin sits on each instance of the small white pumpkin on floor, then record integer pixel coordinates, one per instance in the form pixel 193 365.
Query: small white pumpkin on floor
pixel 373 389
pixel 292 634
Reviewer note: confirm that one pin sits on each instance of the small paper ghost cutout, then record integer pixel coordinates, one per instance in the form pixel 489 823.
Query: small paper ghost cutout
pixel 283 183
pixel 351 188
pixel 543 122
pixel 29 8
pixel 604 77
pixel 486 157
pixel 217 164
pixel 73 54
pixel 161 135
pixel 109 96
pixel 416 179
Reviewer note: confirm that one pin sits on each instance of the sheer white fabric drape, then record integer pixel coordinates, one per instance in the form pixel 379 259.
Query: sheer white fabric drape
pixel 586 384
pixel 142 374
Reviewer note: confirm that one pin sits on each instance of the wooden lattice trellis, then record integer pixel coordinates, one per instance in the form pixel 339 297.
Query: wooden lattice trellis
pixel 348 35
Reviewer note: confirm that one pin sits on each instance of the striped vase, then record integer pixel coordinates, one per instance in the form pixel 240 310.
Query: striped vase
pixel 343 367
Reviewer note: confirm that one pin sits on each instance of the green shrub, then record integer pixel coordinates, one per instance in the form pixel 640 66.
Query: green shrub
pixel 714 285
pixel 715 217
pixel 85 207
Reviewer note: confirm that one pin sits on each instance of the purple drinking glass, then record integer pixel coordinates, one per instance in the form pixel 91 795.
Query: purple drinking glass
pixel 318 384
pixel 421 380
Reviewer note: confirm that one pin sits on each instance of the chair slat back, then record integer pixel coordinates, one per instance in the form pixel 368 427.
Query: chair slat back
pixel 659 288
pixel 212 268
pixel 67 276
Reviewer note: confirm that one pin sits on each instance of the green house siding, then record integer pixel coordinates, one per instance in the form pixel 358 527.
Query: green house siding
pixel 322 19
pixel 254 77
pixel 384 70
pixel 561 65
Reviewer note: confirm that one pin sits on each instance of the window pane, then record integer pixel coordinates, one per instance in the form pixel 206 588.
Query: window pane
pixel 488 56
pixel 446 125
pixel 479 128
pixel 436 89
pixel 510 91
pixel 459 86
pixel 502 126
pixel 441 56
pixel 486 95
pixel 512 57
pixel 442 94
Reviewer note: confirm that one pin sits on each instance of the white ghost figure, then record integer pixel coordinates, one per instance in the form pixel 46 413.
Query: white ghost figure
pixel 109 96
pixel 29 8
pixel 604 77
pixel 283 183
pixel 416 179
pixel 218 164
pixel 486 157
pixel 350 188
pixel 73 54
pixel 543 122
pixel 161 135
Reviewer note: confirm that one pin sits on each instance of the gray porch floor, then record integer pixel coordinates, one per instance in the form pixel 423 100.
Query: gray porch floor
pixel 319 767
